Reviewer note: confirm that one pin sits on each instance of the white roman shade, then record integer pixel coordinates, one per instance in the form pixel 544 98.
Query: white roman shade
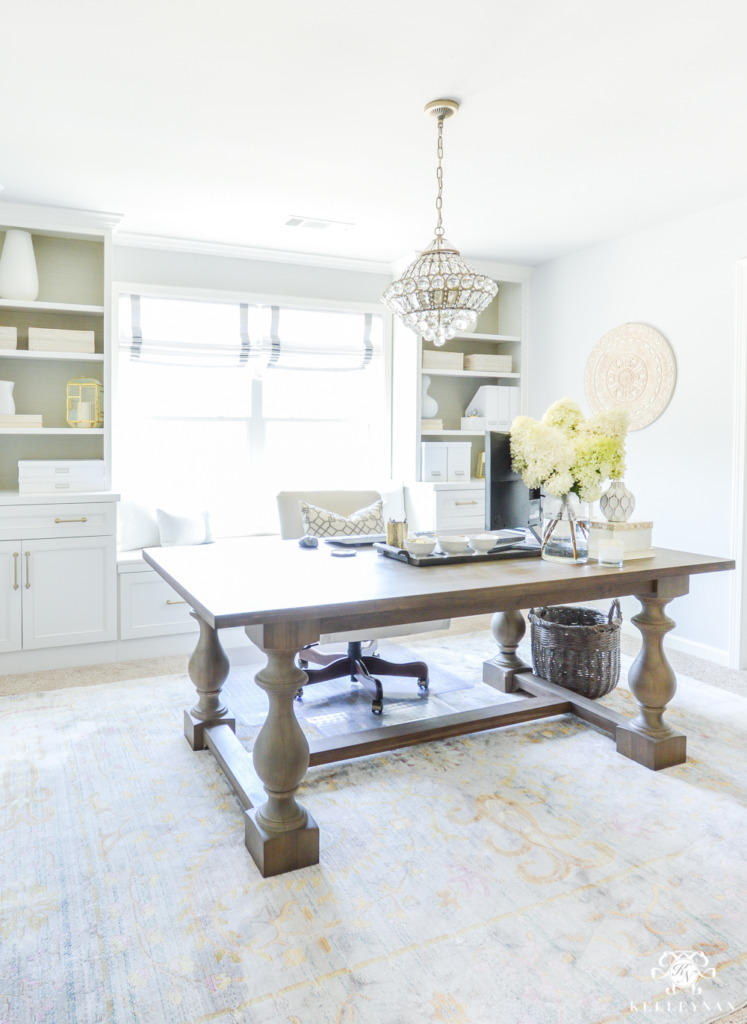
pixel 209 333
pixel 187 332
pixel 303 339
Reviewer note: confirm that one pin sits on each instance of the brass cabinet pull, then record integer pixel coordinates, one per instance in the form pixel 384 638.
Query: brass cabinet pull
pixel 15 570
pixel 28 573
pixel 473 502
pixel 83 519
pixel 169 601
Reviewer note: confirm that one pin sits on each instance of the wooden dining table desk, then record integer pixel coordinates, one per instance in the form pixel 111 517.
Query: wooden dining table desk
pixel 286 597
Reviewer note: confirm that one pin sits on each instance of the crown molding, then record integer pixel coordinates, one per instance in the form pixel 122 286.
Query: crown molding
pixel 57 218
pixel 245 252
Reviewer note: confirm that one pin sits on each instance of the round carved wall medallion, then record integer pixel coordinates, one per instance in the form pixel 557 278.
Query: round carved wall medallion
pixel 631 366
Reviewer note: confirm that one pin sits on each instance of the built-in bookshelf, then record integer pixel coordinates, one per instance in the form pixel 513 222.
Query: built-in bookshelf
pixel 72 250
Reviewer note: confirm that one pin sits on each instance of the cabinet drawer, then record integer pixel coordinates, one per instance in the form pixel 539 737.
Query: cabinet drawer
pixel 32 522
pixel 460 509
pixel 460 503
pixel 148 606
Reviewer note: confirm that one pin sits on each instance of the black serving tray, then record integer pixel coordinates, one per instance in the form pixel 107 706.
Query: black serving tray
pixel 520 550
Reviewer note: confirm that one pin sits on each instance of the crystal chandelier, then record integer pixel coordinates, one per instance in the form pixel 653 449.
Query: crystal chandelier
pixel 440 293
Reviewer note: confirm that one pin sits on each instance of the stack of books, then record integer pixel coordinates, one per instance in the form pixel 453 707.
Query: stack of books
pixel 8 337
pixel 26 421
pixel 49 339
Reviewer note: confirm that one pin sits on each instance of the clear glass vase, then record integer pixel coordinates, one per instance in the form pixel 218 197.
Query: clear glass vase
pixel 565 529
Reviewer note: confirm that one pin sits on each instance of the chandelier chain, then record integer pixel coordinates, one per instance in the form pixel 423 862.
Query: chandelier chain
pixel 440 178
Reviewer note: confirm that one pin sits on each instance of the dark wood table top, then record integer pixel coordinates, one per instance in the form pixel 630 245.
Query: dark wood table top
pixel 264 579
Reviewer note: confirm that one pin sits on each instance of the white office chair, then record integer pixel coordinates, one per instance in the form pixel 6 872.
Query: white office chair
pixel 360 662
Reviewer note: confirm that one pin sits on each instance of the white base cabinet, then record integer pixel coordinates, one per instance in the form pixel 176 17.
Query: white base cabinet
pixel 458 506
pixel 148 606
pixel 58 581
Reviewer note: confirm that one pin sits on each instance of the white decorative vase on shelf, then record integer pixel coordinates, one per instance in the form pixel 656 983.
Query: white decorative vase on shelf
pixel 7 405
pixel 617 502
pixel 428 404
pixel 18 276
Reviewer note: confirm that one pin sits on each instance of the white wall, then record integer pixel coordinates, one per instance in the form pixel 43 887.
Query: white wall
pixel 679 278
pixel 206 271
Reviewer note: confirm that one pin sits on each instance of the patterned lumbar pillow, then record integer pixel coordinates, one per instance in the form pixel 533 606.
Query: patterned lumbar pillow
pixel 320 522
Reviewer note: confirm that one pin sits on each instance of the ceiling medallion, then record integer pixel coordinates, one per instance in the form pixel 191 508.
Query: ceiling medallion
pixel 439 294
pixel 631 366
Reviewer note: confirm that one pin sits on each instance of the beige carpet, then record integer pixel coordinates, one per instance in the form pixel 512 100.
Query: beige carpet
pixel 524 876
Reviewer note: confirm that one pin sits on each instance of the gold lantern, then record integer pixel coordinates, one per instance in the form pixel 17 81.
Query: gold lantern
pixel 85 402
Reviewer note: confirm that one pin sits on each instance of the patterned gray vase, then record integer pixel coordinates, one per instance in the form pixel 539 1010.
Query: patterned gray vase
pixel 617 503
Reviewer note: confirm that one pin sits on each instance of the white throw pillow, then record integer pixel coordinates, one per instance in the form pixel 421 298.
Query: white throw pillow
pixel 393 495
pixel 190 528
pixel 320 522
pixel 137 526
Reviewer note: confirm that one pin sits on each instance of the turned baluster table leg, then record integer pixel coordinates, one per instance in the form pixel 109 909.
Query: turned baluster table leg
pixel 208 669
pixel 508 630
pixel 647 738
pixel 280 834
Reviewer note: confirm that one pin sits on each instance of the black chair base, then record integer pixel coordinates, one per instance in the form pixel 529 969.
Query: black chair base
pixel 361 668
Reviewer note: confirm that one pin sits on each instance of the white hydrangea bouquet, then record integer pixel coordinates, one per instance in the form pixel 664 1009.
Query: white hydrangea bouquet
pixel 566 454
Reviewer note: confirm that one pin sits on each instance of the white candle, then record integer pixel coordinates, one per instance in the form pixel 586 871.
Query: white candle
pixel 610 551
pixel 85 412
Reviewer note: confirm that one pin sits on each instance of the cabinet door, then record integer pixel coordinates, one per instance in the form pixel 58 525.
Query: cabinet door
pixel 10 596
pixel 71 597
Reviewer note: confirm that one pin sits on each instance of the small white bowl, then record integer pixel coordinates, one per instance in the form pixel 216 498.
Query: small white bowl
pixel 482 542
pixel 453 545
pixel 420 545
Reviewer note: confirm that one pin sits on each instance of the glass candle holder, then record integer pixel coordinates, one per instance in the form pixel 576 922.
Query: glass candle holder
pixel 611 552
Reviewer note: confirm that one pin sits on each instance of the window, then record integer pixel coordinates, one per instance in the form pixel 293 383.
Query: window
pixel 222 404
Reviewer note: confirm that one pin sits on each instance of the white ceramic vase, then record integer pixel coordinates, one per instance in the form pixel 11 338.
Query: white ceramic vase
pixel 428 404
pixel 617 502
pixel 18 276
pixel 7 405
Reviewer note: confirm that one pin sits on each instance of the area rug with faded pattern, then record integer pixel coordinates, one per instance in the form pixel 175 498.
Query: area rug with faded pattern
pixel 528 875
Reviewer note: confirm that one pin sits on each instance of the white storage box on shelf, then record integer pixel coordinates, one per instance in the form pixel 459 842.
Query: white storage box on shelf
pixel 434 460
pixel 446 461
pixel 433 360
pixel 499 404
pixel 474 423
pixel 52 476
pixel 488 362
pixel 52 339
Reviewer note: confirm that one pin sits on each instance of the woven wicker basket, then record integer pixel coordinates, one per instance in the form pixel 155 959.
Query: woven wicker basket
pixel 578 648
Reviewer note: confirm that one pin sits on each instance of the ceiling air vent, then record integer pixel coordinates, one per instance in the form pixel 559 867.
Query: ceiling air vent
pixel 315 223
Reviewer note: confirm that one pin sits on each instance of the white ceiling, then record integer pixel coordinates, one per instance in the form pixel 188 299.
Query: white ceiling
pixel 580 119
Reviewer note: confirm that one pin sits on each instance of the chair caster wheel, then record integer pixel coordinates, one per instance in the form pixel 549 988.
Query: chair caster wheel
pixel 376 707
pixel 422 684
pixel 299 694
